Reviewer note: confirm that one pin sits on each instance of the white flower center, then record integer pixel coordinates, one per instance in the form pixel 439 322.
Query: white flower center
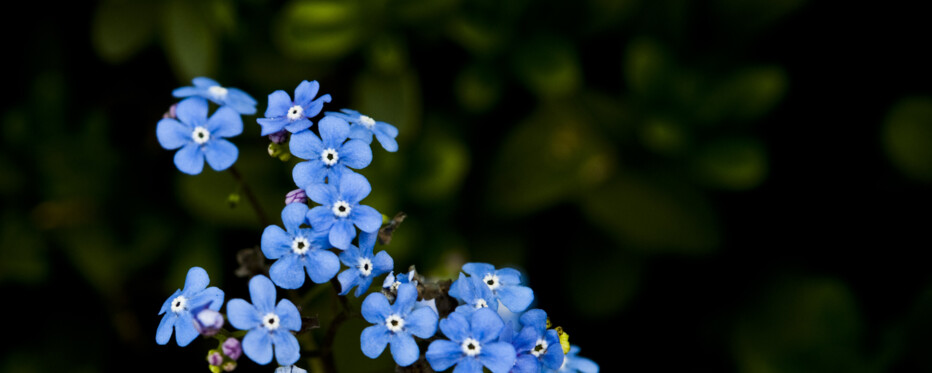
pixel 492 281
pixel 217 91
pixel 179 304
pixel 341 209
pixel 481 304
pixel 300 245
pixel 270 321
pixel 200 135
pixel 540 348
pixel 295 113
pixel 395 285
pixel 366 121
pixel 394 323
pixel 329 156
pixel 471 347
pixel 365 266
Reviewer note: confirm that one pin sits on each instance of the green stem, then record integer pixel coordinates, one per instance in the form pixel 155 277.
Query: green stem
pixel 251 197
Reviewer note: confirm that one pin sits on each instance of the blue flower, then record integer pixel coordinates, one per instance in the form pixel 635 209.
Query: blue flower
pixel 293 116
pixel 364 127
pixel 472 344
pixel 535 345
pixel 504 283
pixel 207 88
pixel 392 282
pixel 195 294
pixel 395 324
pixel 298 250
pixel 340 209
pixel 329 159
pixel 474 292
pixel 199 137
pixel 268 324
pixel 363 266
pixel 573 363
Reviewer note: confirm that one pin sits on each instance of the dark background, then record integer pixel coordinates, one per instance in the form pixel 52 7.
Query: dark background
pixel 712 185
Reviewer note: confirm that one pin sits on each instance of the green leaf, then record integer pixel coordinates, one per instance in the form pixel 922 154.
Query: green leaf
pixel 121 28
pixel 549 66
pixel 188 39
pixel 478 88
pixel 441 164
pixel 731 163
pixel 907 137
pixel 319 29
pixel 647 64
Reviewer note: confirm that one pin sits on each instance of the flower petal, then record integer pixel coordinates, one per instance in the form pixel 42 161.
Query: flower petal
pixel 516 298
pixel 460 289
pixel 195 281
pixel 485 324
pixel 258 346
pixel 225 122
pixel 361 133
pixel 536 318
pixel 342 233
pixel 164 333
pixel 375 308
pixel 468 365
pixel 324 194
pixel 242 315
pixel 388 142
pixel 526 364
pixel 354 187
pixel 404 349
pixel 478 269
pixel 186 91
pixel 287 349
pixel 382 263
pixel 306 92
pixel 212 295
pixel 289 317
pixel 241 101
pixel 373 339
pixel 279 103
pixel 404 301
pixel 192 111
pixel 272 125
pixel 309 172
pixel 275 242
pixel 204 82
pixel 167 305
pixel 321 218
pixel 299 125
pixel 293 216
pixel 306 145
pixel 355 154
pixel 348 279
pixel 455 327
pixel 422 322
pixel 322 265
pixel 499 357
pixel 553 358
pixel 220 153
pixel 366 218
pixel 333 131
pixel 190 159
pixel 184 329
pixel 443 354
pixel 262 292
pixel 172 134
pixel 287 272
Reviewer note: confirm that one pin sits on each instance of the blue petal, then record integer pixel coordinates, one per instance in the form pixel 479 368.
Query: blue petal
pixel 195 281
pixel 486 325
pixel 460 289
pixel 509 276
pixel 342 233
pixel 241 101
pixel 348 279
pixel 184 329
pixel 404 349
pixel 288 272
pixel 272 125
pixel 299 125
pixel 422 322
pixel 324 194
pixel 350 256
pixel 204 82
pixel 363 284
pixel 305 145
pixel 322 265
pixel 526 339
pixel 499 357
pixel 526 364
pixel 287 350
pixel 306 92
pixel 220 153
pixel 186 91
pixel 172 134
pixel 388 142
pixel 355 154
pixel 367 240
pixel 309 172
pixel 516 298
pixel 279 103
pixel 167 304
pixel 366 218
pixel 190 159
pixel 333 131
pixel 375 308
pixel 443 354
pixel 404 300
pixel 164 333
pixel 225 123
pixel 361 133
pixel 275 242
pixel 583 365
pixel 354 187
pixel 386 128
pixel 262 292
pixel 289 317
pixel 315 106
pixel 293 216
pixel 468 365
pixel 382 263
pixel 321 218
pixel 212 295
pixel 478 269
pixel 258 346
pixel 536 318
pixel 553 358
pixel 242 315
pixel 373 339
pixel 192 111
pixel 455 327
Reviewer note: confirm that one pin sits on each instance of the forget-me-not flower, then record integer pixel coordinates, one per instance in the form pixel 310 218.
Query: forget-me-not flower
pixel 573 363
pixel 363 127
pixel 298 250
pixel 199 137
pixel 340 209
pixel 473 343
pixel 269 325
pixel 194 295
pixel 207 88
pixel 535 345
pixel 293 116
pixel 329 156
pixel 504 283
pixel 363 265
pixel 474 292
pixel 395 324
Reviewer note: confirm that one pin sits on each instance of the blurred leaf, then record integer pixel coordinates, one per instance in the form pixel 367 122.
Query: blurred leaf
pixel 751 17
pixel 647 66
pixel 664 136
pixel 23 251
pixel 441 162
pixel 801 325
pixel 907 137
pixel 476 34
pixel 325 29
pixel 731 163
pixel 551 155
pixel 548 66
pixel 122 28
pixel 390 98
pixel 478 88
pixel 655 216
pixel 742 97
pixel 603 15
pixel 388 54
pixel 188 39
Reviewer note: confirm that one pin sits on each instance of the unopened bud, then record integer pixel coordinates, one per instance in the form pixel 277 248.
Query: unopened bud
pixel 279 137
pixel 170 114
pixel 296 195
pixel 232 348
pixel 229 366
pixel 208 322
pixel 214 358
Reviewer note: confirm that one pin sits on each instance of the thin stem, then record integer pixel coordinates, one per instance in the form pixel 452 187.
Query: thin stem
pixel 345 314
pixel 251 197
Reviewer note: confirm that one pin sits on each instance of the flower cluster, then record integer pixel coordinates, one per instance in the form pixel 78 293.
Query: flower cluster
pixel 482 316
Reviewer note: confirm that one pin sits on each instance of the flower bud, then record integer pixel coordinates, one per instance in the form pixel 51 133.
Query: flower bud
pixel 229 366
pixel 296 195
pixel 214 358
pixel 279 137
pixel 232 348
pixel 208 322
pixel 170 114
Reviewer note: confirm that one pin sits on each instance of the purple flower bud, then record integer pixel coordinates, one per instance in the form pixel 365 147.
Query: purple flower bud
pixel 214 358
pixel 208 322
pixel 296 195
pixel 279 137
pixel 229 366
pixel 170 114
pixel 231 347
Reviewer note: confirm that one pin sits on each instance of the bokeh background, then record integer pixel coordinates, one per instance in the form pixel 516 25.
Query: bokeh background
pixel 717 185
